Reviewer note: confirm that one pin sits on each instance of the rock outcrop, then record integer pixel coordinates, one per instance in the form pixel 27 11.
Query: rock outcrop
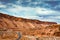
pixel 29 26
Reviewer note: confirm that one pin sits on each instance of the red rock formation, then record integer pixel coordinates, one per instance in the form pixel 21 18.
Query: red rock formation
pixel 28 26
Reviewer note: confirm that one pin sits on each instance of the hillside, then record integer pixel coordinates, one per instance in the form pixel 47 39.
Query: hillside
pixel 29 27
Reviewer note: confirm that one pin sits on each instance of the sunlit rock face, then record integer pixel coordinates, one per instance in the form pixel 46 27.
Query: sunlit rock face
pixel 29 26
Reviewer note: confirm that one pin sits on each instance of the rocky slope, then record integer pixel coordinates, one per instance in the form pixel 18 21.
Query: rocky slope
pixel 28 26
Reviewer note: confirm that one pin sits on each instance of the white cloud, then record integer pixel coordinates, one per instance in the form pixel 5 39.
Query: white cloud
pixel 20 1
pixel 29 11
pixel 20 10
pixel 37 10
pixel 44 11
pixel 57 17
pixel 2 6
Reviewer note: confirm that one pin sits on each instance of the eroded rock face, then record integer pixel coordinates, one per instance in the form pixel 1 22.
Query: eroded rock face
pixel 29 26
pixel 8 34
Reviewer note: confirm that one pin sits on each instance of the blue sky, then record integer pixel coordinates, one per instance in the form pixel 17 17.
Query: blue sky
pixel 45 10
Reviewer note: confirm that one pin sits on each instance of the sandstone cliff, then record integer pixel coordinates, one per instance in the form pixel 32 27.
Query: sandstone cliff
pixel 28 26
